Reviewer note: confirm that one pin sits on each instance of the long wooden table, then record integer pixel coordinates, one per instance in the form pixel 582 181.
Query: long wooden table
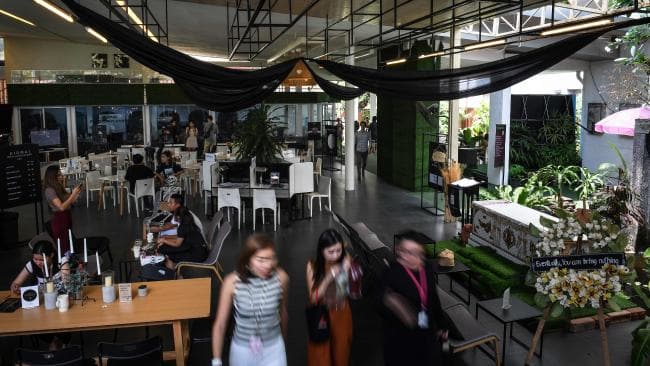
pixel 168 302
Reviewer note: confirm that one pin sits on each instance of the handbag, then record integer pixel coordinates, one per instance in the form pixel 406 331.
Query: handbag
pixel 318 322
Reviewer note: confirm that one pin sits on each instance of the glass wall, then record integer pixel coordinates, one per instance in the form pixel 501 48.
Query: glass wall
pixel 161 122
pixel 104 128
pixel 44 126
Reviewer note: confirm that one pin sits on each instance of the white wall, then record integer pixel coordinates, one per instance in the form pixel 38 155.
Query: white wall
pixel 594 147
pixel 35 54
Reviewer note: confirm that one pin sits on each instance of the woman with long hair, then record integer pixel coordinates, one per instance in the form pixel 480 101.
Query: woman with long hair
pixel 191 133
pixel 187 245
pixel 258 290
pixel 33 273
pixel 327 283
pixel 60 203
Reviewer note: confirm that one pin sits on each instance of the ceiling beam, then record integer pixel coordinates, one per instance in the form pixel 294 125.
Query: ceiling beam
pixel 251 21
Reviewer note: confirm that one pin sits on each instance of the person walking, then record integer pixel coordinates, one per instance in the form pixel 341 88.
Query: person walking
pixel 327 283
pixel 210 131
pixel 362 139
pixel 413 318
pixel 258 292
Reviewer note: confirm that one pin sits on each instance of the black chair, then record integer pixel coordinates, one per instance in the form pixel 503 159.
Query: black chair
pixel 147 352
pixel 70 356
pixel 96 244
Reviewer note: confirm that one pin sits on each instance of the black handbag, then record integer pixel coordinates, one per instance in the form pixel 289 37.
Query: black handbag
pixel 318 323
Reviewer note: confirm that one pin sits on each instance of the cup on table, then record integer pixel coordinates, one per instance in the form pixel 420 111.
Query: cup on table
pixel 50 300
pixel 142 290
pixel 136 251
pixel 63 303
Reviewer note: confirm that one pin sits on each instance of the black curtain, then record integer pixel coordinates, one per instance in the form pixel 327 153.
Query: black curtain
pixel 223 89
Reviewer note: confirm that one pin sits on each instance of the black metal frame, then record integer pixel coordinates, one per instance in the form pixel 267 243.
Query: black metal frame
pixel 429 137
pixel 141 8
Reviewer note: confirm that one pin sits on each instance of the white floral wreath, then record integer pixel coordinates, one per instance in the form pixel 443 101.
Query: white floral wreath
pixel 578 288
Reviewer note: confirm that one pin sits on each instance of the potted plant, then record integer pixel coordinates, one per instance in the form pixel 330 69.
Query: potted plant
pixel 256 136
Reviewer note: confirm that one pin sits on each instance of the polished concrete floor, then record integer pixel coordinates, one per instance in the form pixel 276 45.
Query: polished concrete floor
pixel 385 210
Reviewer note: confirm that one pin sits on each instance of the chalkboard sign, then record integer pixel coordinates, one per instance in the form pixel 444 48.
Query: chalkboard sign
pixel 20 175
pixel 578 262
pixel 437 159
pixel 500 145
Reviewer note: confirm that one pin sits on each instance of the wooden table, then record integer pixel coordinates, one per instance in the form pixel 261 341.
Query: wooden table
pixel 168 302
pixel 120 185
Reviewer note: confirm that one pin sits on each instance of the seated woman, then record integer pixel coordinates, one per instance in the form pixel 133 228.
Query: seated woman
pixel 34 271
pixel 188 245
pixel 34 274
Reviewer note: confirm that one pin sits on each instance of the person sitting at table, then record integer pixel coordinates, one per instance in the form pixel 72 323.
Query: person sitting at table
pixel 169 229
pixel 188 245
pixel 33 273
pixel 167 167
pixel 138 171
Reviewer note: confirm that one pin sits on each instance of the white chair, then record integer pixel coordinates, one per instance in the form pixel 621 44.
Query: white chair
pixel 108 170
pixel 94 184
pixel 185 156
pixel 324 191
pixel 318 169
pixel 265 198
pixel 143 188
pixel 229 197
pixel 139 151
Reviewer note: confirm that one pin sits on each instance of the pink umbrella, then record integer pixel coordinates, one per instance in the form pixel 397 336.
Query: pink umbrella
pixel 622 123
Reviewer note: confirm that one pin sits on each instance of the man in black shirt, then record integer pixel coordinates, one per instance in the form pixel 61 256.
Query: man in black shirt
pixel 138 171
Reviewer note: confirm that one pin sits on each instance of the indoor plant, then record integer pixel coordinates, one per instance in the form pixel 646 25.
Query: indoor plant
pixel 256 136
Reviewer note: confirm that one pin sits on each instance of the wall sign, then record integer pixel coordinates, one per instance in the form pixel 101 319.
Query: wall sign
pixel 500 145
pixel 437 160
pixel 20 175
pixel 579 262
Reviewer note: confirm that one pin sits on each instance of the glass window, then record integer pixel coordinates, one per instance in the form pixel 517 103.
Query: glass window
pixel 57 119
pixel 105 128
pixel 44 126
pixel 31 119
pixel 163 115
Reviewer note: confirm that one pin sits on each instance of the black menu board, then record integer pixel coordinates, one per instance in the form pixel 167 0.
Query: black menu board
pixel 500 145
pixel 20 175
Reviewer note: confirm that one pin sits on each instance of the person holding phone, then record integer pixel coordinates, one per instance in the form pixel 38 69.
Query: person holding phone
pixel 60 202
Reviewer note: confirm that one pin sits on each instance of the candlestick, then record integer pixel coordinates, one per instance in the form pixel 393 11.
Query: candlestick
pixel 85 251
pixel 58 243
pixel 47 271
pixel 70 238
pixel 99 270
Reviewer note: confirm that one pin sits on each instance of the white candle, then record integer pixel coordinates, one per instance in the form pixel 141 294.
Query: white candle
pixel 108 281
pixel 47 271
pixel 49 287
pixel 85 251
pixel 58 243
pixel 99 270
pixel 70 238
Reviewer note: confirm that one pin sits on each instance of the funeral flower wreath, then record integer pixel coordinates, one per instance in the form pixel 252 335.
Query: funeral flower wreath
pixel 578 288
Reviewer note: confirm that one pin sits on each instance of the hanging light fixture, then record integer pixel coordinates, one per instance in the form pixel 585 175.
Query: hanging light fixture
pixel 397 61
pixel 576 27
pixel 476 46
pixel 96 35
pixel 16 17
pixel 434 54
pixel 55 9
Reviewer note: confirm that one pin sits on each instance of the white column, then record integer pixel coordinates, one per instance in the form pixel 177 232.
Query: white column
pixel 72 131
pixel 373 105
pixel 454 116
pixel 499 114
pixel 146 125
pixel 15 126
pixel 351 113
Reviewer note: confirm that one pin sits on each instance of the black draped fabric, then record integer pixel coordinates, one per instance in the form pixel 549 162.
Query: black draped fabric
pixel 223 89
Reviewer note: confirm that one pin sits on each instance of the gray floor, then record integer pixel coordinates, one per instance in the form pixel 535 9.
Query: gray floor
pixel 386 210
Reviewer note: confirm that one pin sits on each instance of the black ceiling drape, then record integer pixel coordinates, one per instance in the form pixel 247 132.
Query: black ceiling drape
pixel 223 89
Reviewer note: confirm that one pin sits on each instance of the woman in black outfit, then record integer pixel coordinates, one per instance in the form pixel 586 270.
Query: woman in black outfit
pixel 187 245
pixel 413 317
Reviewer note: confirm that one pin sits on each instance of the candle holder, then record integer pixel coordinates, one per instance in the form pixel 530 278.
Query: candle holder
pixel 108 287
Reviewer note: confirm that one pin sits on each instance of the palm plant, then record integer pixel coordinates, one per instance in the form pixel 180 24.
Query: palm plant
pixel 590 183
pixel 256 136
pixel 557 176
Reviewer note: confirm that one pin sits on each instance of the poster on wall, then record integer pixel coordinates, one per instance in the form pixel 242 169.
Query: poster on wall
pixel 437 160
pixel 500 145
pixel 121 61
pixel 99 60
pixel 595 112
pixel 20 175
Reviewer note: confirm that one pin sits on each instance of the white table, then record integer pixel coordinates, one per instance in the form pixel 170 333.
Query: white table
pixel 51 150
pixel 504 225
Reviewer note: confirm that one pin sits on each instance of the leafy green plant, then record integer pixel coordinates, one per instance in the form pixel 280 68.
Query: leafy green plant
pixel 557 176
pixel 590 183
pixel 517 171
pixel 523 145
pixel 559 129
pixel 534 194
pixel 641 343
pixel 255 137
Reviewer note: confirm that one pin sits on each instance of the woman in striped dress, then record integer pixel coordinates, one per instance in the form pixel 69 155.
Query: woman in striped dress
pixel 258 292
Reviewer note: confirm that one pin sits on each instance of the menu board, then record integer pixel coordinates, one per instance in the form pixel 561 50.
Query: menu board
pixel 500 145
pixel 20 175
pixel 437 160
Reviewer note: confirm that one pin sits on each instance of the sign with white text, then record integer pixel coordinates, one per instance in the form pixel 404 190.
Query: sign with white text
pixel 578 262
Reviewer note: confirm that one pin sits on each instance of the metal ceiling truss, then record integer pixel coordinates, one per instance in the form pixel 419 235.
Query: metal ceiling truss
pixel 251 28
pixel 137 15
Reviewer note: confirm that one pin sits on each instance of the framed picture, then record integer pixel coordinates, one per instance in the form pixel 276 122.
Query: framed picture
pixel 99 60
pixel 595 112
pixel 121 61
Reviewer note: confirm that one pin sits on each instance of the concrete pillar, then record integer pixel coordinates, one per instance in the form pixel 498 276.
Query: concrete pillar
pixel 499 114
pixel 373 105
pixel 351 113
pixel 640 172
pixel 454 117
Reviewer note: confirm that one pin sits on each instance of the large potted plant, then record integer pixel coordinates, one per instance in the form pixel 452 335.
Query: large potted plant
pixel 256 136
